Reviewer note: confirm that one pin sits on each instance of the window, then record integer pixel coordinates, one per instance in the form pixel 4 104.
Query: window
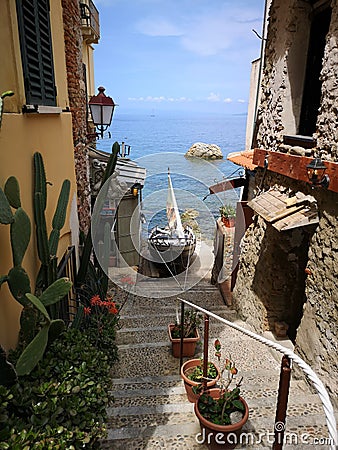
pixel 36 52
pixel 312 85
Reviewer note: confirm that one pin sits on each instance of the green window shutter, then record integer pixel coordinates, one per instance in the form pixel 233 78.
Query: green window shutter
pixel 36 51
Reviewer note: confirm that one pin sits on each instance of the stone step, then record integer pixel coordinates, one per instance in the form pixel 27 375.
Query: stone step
pixel 182 431
pixel 252 377
pixel 163 319
pixel 151 410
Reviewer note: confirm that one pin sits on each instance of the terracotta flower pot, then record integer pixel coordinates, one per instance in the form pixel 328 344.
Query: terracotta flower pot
pixel 228 222
pixel 189 344
pixel 187 367
pixel 220 436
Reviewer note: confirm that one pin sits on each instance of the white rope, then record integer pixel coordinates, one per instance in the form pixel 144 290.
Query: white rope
pixel 317 383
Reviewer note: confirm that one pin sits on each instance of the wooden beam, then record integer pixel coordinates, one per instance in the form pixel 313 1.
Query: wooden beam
pixel 294 166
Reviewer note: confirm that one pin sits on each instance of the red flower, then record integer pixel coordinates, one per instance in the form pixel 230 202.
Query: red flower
pixel 87 310
pixel 112 310
pixel 233 370
pixel 95 300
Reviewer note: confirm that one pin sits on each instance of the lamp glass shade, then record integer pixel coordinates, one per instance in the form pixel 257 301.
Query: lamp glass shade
pixel 316 170
pixel 101 108
pixel 101 114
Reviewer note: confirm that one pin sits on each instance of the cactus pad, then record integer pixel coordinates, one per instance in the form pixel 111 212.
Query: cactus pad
pixel 6 215
pixel 33 352
pixel 20 235
pixel 56 291
pixel 12 191
pixel 19 284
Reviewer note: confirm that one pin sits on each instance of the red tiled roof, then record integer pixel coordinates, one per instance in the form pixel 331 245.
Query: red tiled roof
pixel 243 159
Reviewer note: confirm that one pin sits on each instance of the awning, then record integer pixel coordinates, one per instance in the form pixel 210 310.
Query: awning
pixel 243 159
pixel 226 185
pixel 286 210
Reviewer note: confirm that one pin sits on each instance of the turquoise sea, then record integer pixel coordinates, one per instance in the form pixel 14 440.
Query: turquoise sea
pixel 159 140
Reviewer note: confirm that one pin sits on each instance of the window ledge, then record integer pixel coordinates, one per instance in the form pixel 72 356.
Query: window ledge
pixel 303 141
pixel 41 109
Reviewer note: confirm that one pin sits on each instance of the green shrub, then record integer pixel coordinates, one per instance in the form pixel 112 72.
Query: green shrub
pixel 62 403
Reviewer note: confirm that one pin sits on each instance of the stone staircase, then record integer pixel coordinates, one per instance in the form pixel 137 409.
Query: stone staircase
pixel 151 410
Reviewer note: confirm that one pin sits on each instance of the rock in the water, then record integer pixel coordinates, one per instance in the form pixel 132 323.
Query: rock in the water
pixel 207 151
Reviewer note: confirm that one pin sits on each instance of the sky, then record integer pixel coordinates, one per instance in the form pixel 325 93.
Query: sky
pixel 182 55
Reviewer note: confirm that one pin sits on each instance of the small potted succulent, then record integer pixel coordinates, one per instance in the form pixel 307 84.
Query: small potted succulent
pixel 191 336
pixel 228 214
pixel 192 375
pixel 222 412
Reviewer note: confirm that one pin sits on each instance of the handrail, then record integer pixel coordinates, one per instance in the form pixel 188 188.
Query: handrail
pixel 317 383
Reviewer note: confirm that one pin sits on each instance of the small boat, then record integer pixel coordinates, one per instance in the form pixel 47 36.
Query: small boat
pixel 175 243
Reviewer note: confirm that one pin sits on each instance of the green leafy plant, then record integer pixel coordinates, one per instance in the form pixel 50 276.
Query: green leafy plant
pixel 227 211
pixel 63 402
pixel 192 321
pixel 196 373
pixel 219 410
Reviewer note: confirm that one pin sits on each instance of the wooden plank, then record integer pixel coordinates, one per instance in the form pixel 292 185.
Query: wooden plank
pixel 294 166
pixel 301 218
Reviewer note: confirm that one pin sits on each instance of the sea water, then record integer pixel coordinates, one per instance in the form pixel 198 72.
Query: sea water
pixel 159 141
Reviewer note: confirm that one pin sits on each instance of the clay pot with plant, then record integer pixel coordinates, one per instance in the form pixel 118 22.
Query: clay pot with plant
pixel 191 336
pixel 228 214
pixel 192 375
pixel 222 412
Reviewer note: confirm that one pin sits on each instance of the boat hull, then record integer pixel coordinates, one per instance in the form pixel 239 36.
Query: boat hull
pixel 167 250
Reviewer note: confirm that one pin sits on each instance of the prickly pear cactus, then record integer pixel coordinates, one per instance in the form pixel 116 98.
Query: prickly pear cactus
pixel 20 234
pixel 12 191
pixel 6 215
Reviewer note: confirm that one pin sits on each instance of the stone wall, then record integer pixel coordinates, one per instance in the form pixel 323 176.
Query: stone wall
pixel 293 276
pixel 327 134
pixel 78 105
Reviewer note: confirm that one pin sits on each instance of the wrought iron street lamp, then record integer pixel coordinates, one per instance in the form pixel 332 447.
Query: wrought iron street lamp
pixel 316 173
pixel 102 109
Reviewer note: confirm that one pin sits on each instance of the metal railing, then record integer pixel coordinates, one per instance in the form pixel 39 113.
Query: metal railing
pixel 90 16
pixel 288 355
pixel 67 268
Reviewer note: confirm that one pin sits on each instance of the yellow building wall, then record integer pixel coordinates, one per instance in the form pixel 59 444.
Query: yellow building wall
pixel 21 135
pixel 88 59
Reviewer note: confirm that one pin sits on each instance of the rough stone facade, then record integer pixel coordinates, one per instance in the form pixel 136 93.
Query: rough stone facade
pixel 78 105
pixel 292 276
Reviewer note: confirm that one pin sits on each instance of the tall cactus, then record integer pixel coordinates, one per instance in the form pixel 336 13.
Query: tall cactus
pixel 47 246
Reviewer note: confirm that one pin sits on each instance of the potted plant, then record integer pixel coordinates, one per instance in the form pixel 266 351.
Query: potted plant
pixel 191 336
pixel 222 412
pixel 192 375
pixel 228 214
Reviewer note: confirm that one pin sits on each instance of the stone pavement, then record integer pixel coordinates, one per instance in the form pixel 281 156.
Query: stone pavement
pixel 151 410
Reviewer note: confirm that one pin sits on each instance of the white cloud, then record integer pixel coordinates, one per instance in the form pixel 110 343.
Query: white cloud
pixel 208 32
pixel 212 97
pixel 241 100
pixel 227 100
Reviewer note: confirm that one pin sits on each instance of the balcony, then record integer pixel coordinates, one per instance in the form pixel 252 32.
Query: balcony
pixel 90 22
